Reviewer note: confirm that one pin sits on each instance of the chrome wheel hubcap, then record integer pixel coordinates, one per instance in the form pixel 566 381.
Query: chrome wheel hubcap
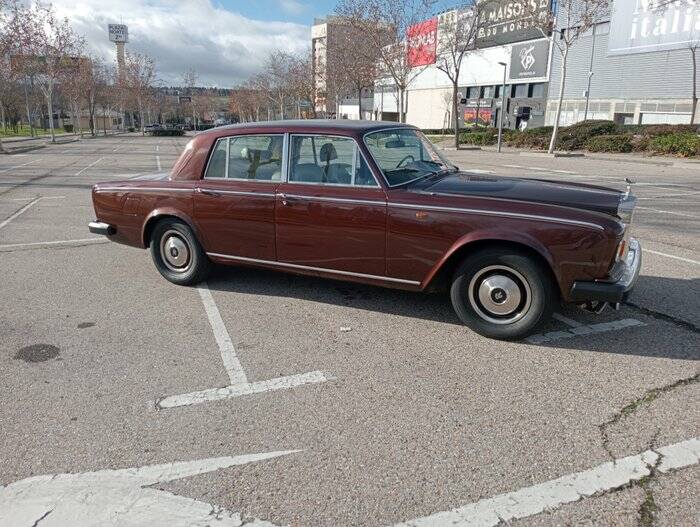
pixel 174 251
pixel 499 294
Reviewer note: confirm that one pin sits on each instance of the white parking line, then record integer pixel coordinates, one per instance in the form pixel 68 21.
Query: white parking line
pixel 158 163
pixel 20 211
pixel 688 260
pixel 669 212
pixel 223 339
pixel 39 245
pixel 480 171
pixel 89 166
pixel 123 496
pixel 18 166
pixel 554 493
pixel 582 329
pixel 239 382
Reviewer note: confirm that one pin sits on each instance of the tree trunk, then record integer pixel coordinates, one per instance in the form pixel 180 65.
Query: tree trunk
pixel 143 130
pixel 562 85
pixel 455 110
pixel 694 110
pixel 49 101
pixel 359 103
pixel 402 116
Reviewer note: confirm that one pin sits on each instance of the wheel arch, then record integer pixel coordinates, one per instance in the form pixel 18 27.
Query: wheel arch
pixel 160 214
pixel 441 274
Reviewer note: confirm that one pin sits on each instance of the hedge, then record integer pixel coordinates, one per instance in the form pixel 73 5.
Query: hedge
pixel 574 137
pixel 167 132
pixel 478 138
pixel 656 130
pixel 610 143
pixel 685 145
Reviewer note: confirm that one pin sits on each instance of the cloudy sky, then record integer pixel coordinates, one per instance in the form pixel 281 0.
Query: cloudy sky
pixel 223 40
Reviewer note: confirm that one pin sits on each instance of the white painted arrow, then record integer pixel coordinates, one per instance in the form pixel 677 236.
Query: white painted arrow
pixel 120 497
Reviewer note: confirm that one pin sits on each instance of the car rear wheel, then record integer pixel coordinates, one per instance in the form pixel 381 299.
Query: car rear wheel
pixel 502 293
pixel 177 254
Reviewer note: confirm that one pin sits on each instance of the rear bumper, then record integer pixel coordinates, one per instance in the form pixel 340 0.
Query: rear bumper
pixel 98 227
pixel 612 292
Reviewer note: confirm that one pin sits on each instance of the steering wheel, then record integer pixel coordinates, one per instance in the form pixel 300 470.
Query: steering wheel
pixel 409 156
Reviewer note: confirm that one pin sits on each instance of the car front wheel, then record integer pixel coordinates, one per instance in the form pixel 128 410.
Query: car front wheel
pixel 177 254
pixel 502 293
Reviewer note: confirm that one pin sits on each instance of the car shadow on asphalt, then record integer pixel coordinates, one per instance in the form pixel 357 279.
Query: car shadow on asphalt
pixel 652 339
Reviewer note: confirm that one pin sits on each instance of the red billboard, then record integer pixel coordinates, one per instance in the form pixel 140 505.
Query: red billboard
pixel 422 43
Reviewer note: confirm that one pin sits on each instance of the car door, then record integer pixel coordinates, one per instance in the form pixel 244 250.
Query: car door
pixel 234 204
pixel 331 212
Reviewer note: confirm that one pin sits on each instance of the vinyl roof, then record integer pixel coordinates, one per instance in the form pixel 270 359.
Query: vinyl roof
pixel 316 124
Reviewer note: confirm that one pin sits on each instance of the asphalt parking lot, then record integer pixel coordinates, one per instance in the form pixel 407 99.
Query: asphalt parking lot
pixel 268 399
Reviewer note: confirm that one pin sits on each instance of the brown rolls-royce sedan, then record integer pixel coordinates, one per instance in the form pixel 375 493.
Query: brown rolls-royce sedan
pixel 376 203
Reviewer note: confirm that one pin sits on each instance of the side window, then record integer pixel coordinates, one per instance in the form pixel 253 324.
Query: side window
pixel 251 158
pixel 328 160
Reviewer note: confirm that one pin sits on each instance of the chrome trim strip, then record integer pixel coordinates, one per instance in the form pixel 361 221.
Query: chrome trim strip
pixel 499 214
pixel 335 200
pixel 309 268
pixel 239 192
pixel 145 189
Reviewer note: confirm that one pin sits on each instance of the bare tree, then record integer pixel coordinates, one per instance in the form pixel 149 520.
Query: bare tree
pixel 382 25
pixel 353 72
pixel 573 19
pixel 140 72
pixel 189 81
pixel 458 30
pixel 274 81
pixel 5 71
pixel 301 82
pixel 54 49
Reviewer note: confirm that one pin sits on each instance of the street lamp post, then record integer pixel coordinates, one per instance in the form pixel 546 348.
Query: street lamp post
pixel 590 76
pixel 503 107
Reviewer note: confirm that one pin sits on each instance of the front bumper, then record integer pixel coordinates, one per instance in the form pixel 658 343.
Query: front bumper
pixel 98 227
pixel 612 292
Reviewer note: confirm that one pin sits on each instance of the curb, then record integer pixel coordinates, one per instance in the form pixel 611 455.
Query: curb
pixel 10 151
pixel 552 156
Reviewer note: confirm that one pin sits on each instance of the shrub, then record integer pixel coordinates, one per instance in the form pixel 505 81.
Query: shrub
pixel 68 128
pixel 656 130
pixel 438 131
pixel 479 138
pixel 685 145
pixel 610 143
pixel 640 143
pixel 168 132
pixel 574 137
pixel 131 129
pixel 536 138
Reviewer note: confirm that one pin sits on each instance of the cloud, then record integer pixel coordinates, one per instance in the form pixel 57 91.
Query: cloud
pixel 224 47
pixel 292 7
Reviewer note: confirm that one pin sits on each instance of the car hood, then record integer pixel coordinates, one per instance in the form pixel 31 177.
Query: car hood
pixel 576 195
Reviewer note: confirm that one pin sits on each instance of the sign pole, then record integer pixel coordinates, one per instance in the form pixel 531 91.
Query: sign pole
pixel 503 107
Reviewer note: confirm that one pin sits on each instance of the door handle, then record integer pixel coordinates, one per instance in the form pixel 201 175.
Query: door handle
pixel 208 192
pixel 286 200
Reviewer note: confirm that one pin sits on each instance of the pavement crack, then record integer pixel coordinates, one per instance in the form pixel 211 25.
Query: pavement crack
pixel 630 408
pixel 41 518
pixel 658 315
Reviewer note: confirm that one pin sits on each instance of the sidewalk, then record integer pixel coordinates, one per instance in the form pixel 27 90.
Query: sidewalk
pixel 16 145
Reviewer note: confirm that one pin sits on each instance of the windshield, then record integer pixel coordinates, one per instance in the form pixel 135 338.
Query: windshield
pixel 405 154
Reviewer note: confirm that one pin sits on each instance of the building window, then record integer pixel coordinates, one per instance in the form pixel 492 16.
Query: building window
pixel 473 92
pixel 499 89
pixel 520 90
pixel 487 92
pixel 537 90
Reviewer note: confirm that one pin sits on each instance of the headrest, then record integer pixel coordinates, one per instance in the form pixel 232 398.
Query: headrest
pixel 328 153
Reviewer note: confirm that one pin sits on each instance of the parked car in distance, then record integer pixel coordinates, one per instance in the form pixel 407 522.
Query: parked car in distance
pixel 151 127
pixel 377 203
